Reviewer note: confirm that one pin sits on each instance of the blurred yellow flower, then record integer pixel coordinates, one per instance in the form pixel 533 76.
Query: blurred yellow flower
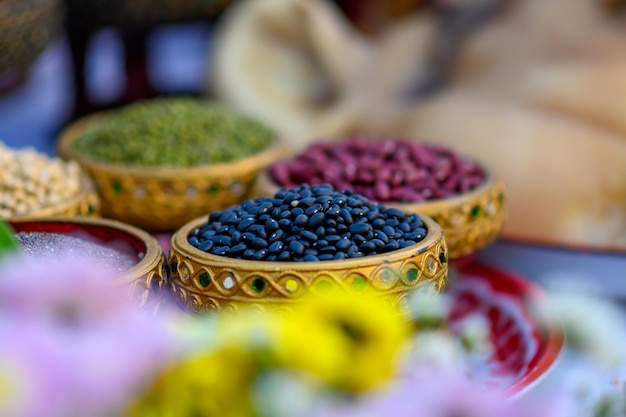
pixel 366 330
pixel 213 384
pixel 349 343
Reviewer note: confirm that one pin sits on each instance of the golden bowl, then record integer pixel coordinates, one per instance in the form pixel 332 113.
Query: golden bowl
pixel 145 279
pixel 205 282
pixel 470 221
pixel 85 203
pixel 156 198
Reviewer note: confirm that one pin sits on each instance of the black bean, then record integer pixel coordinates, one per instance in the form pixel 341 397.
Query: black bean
pixel 405 243
pixel 328 249
pixel 271 226
pixel 343 244
pixel 379 223
pixel 194 241
pixel 316 220
pixel 394 212
pixel 271 258
pixel 313 209
pixel 284 256
pixel 340 255
pixel 221 240
pixel 227 217
pixel 405 227
pixel 310 258
pixel 206 246
pixel 307 201
pixel 358 239
pixel 310 236
pixel 334 210
pixel 301 220
pixel 320 243
pixel 277 235
pixel 259 243
pixel 284 223
pixel 238 248
pixel 221 250
pixel 378 244
pixel 260 255
pixel 208 234
pixel 276 247
pixel 360 228
pixel 367 247
pixel 215 216
pixel 330 222
pixel 346 216
pixel 389 231
pixel 249 253
pixel 235 236
pixel 332 239
pixel 392 245
pixel 296 247
pixel 320 231
pixel 258 230
pixel 326 257
pixel 296 212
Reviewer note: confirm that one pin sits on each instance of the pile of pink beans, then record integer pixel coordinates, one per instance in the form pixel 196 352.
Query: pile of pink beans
pixel 389 170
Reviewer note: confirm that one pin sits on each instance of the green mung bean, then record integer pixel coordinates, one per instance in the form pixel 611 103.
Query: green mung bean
pixel 179 132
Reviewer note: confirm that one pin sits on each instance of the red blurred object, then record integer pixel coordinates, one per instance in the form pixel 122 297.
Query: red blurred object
pixel 527 339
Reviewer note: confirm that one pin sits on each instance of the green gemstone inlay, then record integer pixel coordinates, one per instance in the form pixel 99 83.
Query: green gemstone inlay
pixel 204 279
pixel 258 285
pixel 116 187
pixel 475 211
pixel 501 197
pixel 412 274
pixel 213 188
pixel 359 283
pixel 174 267
pixel 442 257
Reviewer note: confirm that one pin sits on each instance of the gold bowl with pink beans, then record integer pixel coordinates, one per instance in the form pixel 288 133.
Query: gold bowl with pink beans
pixel 462 195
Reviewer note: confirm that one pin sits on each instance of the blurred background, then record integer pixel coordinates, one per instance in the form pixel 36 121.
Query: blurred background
pixel 533 89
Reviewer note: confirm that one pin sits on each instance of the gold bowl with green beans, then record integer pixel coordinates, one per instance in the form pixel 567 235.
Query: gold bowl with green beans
pixel 159 163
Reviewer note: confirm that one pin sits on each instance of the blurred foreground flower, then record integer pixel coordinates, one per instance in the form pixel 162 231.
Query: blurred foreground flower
pixel 349 344
pixel 85 346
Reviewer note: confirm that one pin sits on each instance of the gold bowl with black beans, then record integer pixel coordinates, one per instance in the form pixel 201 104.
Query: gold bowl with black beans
pixel 304 240
pixel 461 195
pixel 158 164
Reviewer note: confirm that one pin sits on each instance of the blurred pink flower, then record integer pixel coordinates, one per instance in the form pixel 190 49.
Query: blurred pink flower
pixel 100 346
pixel 432 391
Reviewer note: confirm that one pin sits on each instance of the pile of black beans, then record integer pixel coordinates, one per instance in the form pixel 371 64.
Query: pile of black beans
pixel 307 223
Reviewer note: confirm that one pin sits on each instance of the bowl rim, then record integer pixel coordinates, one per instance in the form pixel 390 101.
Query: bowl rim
pixel 180 244
pixel 146 264
pixel 72 132
pixel 265 180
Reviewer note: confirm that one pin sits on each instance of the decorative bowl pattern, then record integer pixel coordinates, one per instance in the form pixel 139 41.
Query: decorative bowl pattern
pixel 470 221
pixel 159 198
pixel 144 280
pixel 205 282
